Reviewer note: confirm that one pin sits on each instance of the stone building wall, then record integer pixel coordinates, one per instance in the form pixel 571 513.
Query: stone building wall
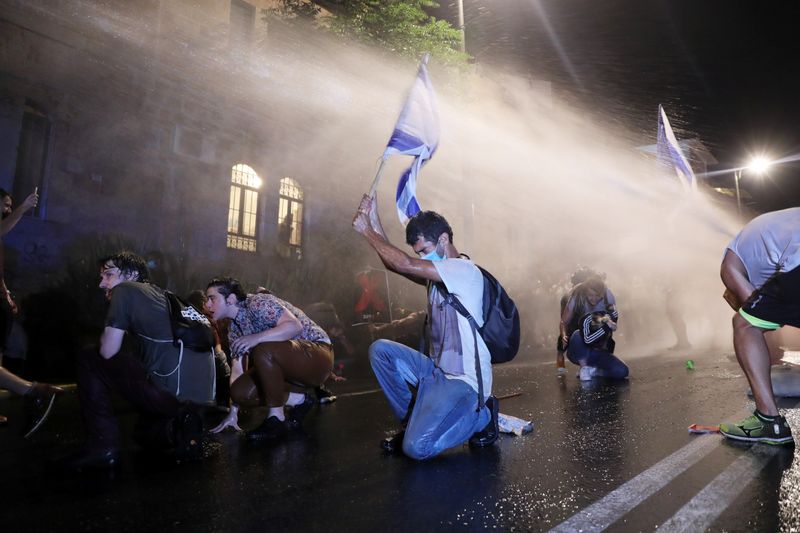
pixel 147 113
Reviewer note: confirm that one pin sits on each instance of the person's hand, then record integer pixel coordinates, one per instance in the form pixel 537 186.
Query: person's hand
pixel 230 421
pixel 361 220
pixel 30 201
pixel 611 324
pixel 732 300
pixel 564 339
pixel 11 303
pixel 373 211
pixel 243 344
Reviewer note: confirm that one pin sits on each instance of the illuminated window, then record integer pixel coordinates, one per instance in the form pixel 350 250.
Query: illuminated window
pixel 290 215
pixel 243 208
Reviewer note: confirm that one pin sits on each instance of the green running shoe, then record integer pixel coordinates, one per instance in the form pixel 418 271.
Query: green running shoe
pixel 760 428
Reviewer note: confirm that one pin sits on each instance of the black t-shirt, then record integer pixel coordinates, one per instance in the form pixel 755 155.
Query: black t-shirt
pixel 141 310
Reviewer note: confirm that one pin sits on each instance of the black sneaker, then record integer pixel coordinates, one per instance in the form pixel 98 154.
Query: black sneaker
pixel 39 402
pixel 271 429
pixel 488 435
pixel 394 444
pixel 324 396
pixel 298 413
pixel 87 459
pixel 188 436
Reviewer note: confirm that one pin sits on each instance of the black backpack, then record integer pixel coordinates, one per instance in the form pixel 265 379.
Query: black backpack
pixel 500 330
pixel 189 325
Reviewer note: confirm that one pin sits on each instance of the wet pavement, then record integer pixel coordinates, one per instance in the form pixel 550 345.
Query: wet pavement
pixel 603 455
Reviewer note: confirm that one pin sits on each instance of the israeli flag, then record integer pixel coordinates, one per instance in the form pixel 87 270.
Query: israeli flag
pixel 416 133
pixel 669 153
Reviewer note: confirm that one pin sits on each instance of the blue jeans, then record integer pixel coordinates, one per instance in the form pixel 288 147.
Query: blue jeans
pixel 607 364
pixel 444 413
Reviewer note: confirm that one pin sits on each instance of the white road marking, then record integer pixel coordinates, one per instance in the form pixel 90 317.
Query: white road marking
pixel 701 511
pixel 620 501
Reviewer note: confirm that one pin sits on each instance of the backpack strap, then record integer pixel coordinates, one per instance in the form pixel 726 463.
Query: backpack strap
pixel 173 321
pixel 455 303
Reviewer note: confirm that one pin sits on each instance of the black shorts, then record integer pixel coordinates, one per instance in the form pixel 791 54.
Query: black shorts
pixel 776 303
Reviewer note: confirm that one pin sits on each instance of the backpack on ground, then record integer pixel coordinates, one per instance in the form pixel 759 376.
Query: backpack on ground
pixel 189 325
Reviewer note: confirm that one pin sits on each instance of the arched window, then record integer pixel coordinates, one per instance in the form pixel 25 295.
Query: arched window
pixel 290 215
pixel 243 208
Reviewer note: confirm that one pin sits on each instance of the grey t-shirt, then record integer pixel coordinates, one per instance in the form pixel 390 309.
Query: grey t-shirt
pixel 141 310
pixel 768 244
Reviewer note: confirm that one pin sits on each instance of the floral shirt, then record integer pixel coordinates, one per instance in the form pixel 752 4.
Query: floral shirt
pixel 260 312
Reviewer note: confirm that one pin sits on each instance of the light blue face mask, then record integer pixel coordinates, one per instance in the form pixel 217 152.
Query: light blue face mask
pixel 432 256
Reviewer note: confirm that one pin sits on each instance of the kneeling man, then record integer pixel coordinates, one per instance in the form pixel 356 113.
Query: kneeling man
pixel 442 399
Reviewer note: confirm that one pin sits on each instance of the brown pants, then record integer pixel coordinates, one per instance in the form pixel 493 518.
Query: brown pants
pixel 275 363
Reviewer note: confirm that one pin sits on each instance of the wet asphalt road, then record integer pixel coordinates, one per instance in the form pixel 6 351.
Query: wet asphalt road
pixel 602 455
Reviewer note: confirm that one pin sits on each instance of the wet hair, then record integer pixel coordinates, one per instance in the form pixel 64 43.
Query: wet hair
pixel 128 263
pixel 594 283
pixel 428 225
pixel 4 193
pixel 227 286
pixel 581 275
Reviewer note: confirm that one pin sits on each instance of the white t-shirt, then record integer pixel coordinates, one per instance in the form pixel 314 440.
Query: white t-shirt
pixel 768 244
pixel 465 281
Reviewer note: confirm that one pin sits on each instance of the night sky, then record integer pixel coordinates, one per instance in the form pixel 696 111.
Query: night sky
pixel 725 71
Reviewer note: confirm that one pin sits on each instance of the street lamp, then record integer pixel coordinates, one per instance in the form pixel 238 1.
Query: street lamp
pixel 758 165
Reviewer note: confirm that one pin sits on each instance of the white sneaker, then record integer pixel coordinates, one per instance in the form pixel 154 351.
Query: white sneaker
pixel 587 373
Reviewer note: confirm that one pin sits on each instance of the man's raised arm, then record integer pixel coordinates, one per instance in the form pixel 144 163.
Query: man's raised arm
pixel 367 223
pixel 8 223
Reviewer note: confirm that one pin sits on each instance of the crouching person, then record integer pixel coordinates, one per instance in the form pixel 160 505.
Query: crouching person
pixel 591 346
pixel 285 347
pixel 443 399
pixel 165 383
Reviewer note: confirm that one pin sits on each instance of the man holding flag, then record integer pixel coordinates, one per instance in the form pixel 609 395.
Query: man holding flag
pixel 451 400
pixel 447 409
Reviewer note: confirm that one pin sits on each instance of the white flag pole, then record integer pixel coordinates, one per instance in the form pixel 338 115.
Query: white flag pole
pixel 377 178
